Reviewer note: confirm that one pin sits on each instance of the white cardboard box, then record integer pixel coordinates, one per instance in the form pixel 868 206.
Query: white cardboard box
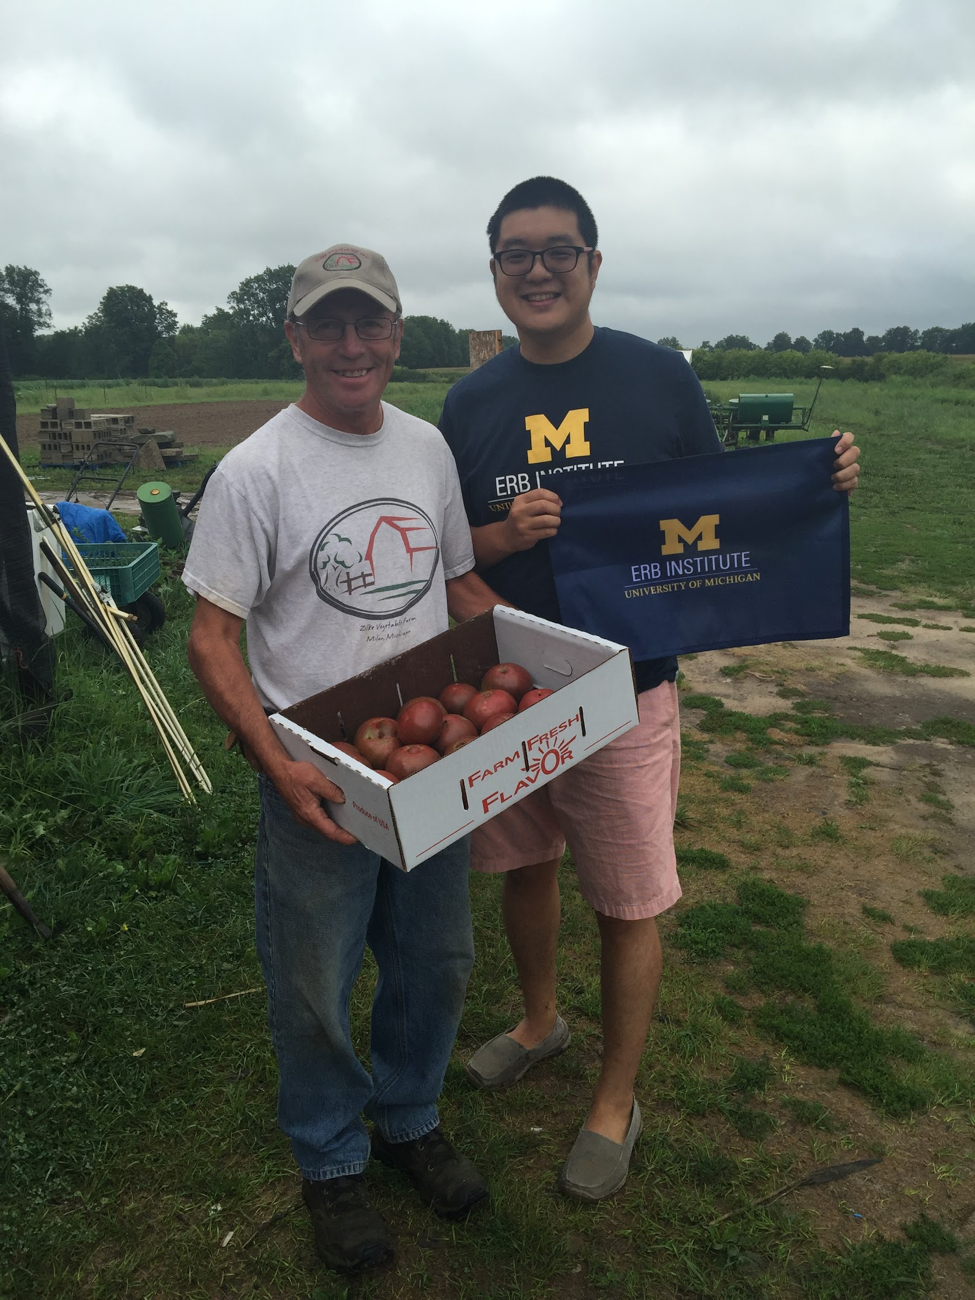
pixel 594 702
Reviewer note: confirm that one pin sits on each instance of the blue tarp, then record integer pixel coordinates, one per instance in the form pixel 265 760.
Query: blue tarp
pixel 88 524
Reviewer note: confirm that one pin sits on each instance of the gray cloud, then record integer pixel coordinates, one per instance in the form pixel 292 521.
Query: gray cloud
pixel 753 167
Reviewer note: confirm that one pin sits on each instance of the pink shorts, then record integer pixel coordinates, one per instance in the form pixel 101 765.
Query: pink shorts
pixel 615 811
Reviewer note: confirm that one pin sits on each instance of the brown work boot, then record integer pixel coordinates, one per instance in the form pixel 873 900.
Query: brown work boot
pixel 445 1179
pixel 350 1234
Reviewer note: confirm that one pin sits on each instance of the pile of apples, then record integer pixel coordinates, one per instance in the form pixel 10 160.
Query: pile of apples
pixel 426 729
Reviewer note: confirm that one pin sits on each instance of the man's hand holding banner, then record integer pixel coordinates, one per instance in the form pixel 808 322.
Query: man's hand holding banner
pixel 694 554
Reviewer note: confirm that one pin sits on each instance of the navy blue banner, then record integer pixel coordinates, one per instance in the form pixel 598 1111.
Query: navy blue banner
pixel 739 548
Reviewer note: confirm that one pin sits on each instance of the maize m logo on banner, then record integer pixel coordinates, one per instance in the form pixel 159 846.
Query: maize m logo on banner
pixel 684 555
pixel 703 533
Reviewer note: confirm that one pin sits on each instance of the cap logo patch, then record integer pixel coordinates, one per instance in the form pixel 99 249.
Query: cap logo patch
pixel 341 261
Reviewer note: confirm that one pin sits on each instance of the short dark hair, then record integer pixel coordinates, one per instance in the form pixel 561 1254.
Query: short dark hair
pixel 544 192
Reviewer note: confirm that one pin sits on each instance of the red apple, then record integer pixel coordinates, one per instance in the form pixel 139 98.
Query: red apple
pixel 346 748
pixel 459 744
pixel 418 721
pixel 388 775
pixel 508 677
pixel 432 698
pixel 532 697
pixel 485 704
pixel 411 758
pixel 376 739
pixel 454 696
pixel 495 721
pixel 454 728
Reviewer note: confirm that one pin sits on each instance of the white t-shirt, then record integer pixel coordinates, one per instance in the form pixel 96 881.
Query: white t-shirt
pixel 333 546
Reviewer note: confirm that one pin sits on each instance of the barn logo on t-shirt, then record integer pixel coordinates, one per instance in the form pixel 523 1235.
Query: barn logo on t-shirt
pixel 375 559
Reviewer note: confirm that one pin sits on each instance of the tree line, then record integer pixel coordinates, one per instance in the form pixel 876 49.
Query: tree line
pixel 130 336
pixel 959 341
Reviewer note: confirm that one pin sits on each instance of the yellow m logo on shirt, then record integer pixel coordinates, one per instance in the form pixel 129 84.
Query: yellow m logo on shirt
pixel 571 434
pixel 675 534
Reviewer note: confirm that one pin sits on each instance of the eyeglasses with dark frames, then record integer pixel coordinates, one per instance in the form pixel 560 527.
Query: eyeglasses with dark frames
pixel 557 260
pixel 329 329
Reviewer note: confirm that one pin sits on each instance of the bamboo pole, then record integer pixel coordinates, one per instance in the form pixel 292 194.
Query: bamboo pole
pixel 170 732
pixel 114 635
pixel 115 625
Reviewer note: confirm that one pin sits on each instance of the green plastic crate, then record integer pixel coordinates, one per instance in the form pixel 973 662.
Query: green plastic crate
pixel 127 569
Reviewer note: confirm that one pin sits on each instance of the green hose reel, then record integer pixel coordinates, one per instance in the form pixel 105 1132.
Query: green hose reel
pixel 161 514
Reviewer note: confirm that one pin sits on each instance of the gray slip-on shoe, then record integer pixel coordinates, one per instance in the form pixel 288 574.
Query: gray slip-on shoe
pixel 502 1061
pixel 597 1166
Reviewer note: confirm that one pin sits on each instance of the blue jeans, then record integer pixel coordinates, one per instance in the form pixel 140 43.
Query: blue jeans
pixel 318 904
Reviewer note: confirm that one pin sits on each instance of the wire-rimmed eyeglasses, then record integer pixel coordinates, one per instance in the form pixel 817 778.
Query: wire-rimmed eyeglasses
pixel 329 329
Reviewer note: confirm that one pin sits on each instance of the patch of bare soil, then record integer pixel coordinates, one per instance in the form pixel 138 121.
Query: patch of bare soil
pixel 198 424
pixel 915 825
pixel 195 424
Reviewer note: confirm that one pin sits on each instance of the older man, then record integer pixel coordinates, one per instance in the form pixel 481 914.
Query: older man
pixel 572 396
pixel 283 544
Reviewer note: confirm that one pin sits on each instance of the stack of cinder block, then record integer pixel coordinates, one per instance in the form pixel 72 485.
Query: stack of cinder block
pixel 56 447
pixel 89 429
pixel 57 442
pixel 70 432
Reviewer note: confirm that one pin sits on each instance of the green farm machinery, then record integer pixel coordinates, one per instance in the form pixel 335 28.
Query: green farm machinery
pixel 753 416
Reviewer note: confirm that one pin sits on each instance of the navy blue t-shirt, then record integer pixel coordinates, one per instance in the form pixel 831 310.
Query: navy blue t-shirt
pixel 513 425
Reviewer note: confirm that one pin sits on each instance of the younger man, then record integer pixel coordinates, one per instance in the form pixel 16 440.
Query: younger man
pixel 574 396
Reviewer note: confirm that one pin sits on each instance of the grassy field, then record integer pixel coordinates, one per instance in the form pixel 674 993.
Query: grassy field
pixel 122 396
pixel 140 1153
pixel 32 395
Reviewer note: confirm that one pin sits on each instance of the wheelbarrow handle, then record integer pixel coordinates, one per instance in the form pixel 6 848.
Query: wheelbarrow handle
pixel 185 510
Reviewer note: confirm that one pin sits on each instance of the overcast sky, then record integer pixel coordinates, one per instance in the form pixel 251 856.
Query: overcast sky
pixel 753 166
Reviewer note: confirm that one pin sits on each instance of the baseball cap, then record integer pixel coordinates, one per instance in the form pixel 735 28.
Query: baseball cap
pixel 343 266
